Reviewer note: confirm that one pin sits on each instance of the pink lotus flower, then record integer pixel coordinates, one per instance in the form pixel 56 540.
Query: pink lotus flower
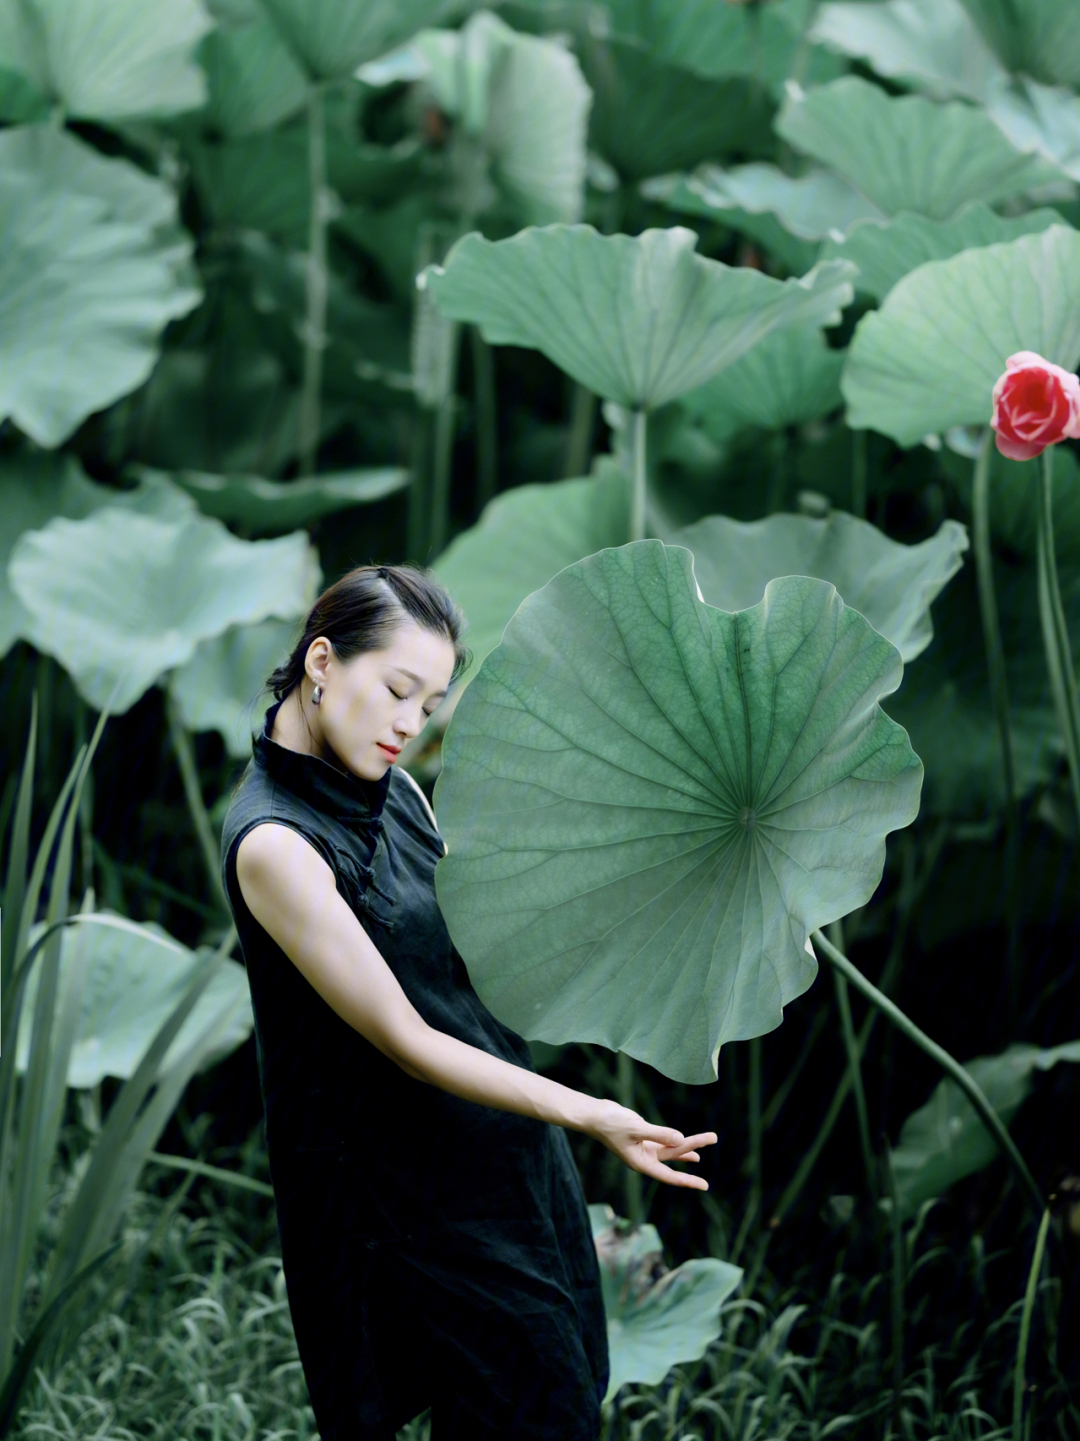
pixel 1036 404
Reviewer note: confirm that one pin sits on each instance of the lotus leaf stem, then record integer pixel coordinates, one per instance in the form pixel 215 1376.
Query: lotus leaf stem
pixel 487 439
pixel 625 1090
pixel 898 1285
pixel 200 819
pixel 316 284
pixel 638 482
pixel 970 1087
pixel 854 1060
pixel 1059 660
pixel 999 693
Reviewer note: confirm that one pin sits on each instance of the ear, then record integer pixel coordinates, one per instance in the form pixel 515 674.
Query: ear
pixel 317 660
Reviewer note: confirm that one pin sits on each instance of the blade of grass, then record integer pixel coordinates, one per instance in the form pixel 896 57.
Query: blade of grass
pixel 1019 1380
pixel 111 1153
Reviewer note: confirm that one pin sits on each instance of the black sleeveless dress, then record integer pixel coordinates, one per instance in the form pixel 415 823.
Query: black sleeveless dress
pixel 436 1252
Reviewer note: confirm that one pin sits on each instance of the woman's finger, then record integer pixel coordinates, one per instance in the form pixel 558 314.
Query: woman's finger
pixel 688 1144
pixel 652 1167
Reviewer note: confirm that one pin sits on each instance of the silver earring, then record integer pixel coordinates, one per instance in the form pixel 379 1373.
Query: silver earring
pixel 316 695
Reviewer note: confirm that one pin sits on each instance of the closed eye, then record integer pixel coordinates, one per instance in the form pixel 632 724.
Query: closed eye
pixel 394 693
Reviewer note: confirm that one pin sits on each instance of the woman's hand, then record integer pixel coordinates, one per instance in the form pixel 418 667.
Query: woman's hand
pixel 646 1148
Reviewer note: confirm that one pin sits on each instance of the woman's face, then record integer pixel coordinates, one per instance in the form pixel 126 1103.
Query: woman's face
pixel 374 704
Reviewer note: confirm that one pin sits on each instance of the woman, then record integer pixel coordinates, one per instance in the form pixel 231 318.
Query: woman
pixel 434 1236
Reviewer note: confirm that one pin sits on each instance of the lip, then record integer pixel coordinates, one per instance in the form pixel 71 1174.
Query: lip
pixel 389 750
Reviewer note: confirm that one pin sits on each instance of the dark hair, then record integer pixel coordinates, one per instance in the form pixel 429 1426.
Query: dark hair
pixel 360 612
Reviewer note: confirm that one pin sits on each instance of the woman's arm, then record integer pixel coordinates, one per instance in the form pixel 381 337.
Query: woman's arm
pixel 290 891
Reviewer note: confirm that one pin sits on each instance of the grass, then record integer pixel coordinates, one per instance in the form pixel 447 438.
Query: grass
pixel 188 1337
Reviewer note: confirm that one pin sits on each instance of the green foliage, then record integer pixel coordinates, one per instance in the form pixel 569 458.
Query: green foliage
pixel 811 206
pixel 31 1114
pixel 524 538
pixel 332 40
pixel 886 253
pixel 261 506
pixel 119 597
pixel 649 117
pixel 907 153
pixel 635 774
pixel 788 378
pixel 129 978
pixel 92 268
pixel 1040 37
pixel 254 81
pixel 218 687
pixel 928 359
pixel 891 585
pixel 107 59
pixel 524 101
pixel 656 1317
pixel 638 321
pixel 945 1140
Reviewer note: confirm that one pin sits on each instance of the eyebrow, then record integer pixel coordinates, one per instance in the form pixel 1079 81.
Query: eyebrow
pixel 417 678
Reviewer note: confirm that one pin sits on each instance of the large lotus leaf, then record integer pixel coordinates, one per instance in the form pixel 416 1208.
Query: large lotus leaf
pixel 262 506
pixel 930 42
pixel 34 488
pixel 649 117
pixel 120 597
pixel 217 689
pixel 715 40
pixel 89 277
pixel 929 358
pixel 1039 37
pixel 1041 118
pixel 886 253
pixel 526 99
pixel 683 193
pixel 108 59
pixel 638 320
pixel 788 378
pixel 891 584
pixel 254 81
pixel 649 804
pixel 334 37
pixel 934 44
pixel 810 206
pixel 944 703
pixel 907 153
pixel 134 977
pixel 656 1318
pixel 62 162
pixel 945 1140
pixel 524 537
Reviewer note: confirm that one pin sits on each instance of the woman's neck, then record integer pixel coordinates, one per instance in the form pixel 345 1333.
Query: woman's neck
pixel 293 730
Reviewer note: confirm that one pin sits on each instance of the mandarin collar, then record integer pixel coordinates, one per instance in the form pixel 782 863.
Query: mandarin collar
pixel 337 793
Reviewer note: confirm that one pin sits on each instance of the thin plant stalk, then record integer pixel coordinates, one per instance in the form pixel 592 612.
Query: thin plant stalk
pixel 854 1059
pixel 753 1202
pixel 487 440
pixel 443 458
pixel 898 1284
pixel 999 693
pixel 1019 1379
pixel 316 285
pixel 638 472
pixel 625 1091
pixel 184 751
pixel 970 1087
pixel 582 425
pixel 1059 660
pixel 909 888
pixel 858 473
